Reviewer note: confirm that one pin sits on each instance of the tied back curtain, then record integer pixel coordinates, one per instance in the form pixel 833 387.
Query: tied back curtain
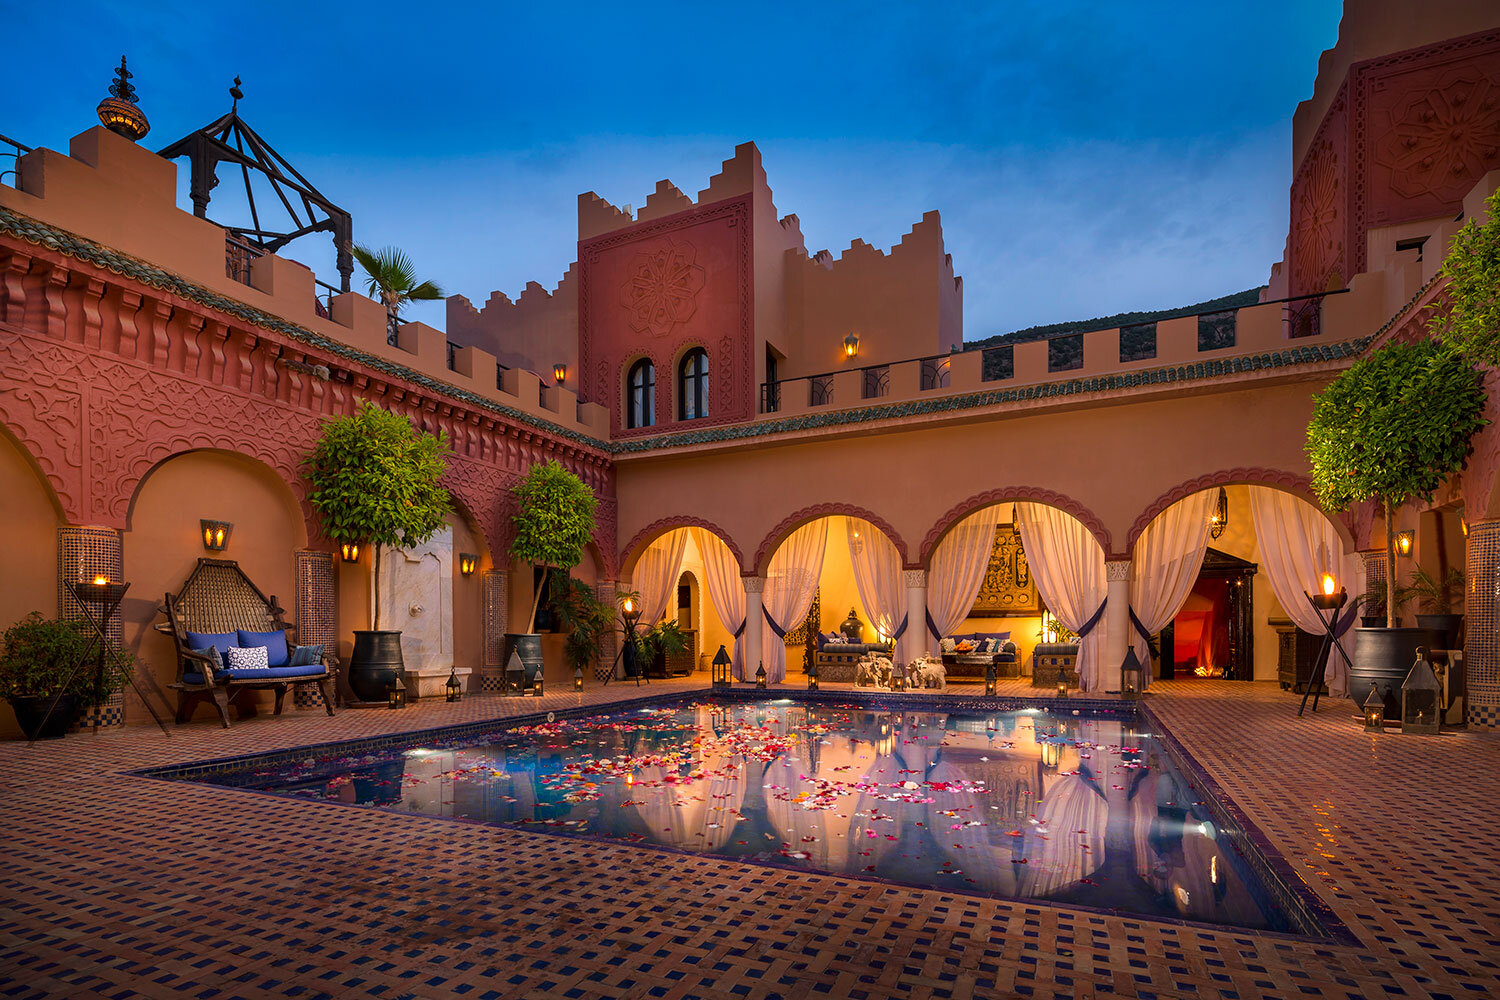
pixel 790 583
pixel 657 572
pixel 725 589
pixel 1297 546
pixel 877 575
pixel 1067 563
pixel 956 574
pixel 1164 567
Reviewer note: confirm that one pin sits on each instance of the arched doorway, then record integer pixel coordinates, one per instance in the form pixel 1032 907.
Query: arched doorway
pixel 688 572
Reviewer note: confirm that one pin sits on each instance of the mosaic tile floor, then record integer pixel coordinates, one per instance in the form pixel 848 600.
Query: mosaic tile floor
pixel 113 885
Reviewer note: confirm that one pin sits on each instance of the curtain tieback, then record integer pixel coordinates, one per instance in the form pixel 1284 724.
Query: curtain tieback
pixel 901 629
pixel 741 630
pixel 780 632
pixel 932 627
pixel 1089 625
pixel 1140 626
pixel 1346 620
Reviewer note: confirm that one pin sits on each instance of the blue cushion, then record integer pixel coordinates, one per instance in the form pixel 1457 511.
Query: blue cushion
pixel 223 640
pixel 275 643
pixel 212 652
pixel 306 656
pixel 274 673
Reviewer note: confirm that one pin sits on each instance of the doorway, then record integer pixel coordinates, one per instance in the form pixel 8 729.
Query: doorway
pixel 1213 634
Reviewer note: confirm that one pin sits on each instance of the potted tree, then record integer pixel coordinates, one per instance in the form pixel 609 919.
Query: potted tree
pixel 36 657
pixel 554 520
pixel 656 642
pixel 1391 429
pixel 585 619
pixel 1439 600
pixel 375 482
pixel 392 278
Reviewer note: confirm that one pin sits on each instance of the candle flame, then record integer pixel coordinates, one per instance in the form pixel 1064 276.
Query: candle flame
pixel 101 580
pixel 1328 584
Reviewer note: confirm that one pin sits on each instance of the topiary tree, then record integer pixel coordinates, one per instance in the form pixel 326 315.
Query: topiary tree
pixel 1391 428
pixel 375 482
pixel 1468 316
pixel 554 520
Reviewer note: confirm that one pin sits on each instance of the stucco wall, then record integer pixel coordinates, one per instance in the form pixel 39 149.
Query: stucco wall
pixel 28 558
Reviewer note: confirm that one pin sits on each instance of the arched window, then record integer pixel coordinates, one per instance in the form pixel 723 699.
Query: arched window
pixel 640 394
pixel 692 385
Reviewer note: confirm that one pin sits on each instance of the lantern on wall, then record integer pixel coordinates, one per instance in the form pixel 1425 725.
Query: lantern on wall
pixel 1420 697
pixel 1404 542
pixel 1132 679
pixel 1219 519
pixel 215 534
pixel 560 372
pixel 395 695
pixel 1374 709
pixel 349 552
pixel 851 346
pixel 454 688
pixel 722 678
pixel 760 676
pixel 468 562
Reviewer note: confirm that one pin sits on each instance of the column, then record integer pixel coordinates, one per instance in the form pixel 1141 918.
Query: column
pixel 317 616
pixel 754 625
pixel 608 592
pixel 1116 623
pixel 84 552
pixel 496 623
pixel 915 642
pixel 1482 624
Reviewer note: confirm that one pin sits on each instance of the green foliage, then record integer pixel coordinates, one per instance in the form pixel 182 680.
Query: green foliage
pixel 392 278
pixel 661 638
pixel 554 520
pixel 1434 596
pixel 1394 426
pixel 1468 319
pixel 585 619
pixel 37 653
pixel 1375 599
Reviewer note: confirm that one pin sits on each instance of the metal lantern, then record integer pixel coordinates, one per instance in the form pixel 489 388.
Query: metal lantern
pixel 118 111
pixel 721 673
pixel 1051 753
pixel 1062 688
pixel 349 552
pixel 760 676
pixel 215 534
pixel 898 677
pixel 1374 709
pixel 1132 679
pixel 454 688
pixel 989 677
pixel 1219 519
pixel 851 345
pixel 395 695
pixel 577 678
pixel 1420 698
pixel 560 372
pixel 515 674
pixel 536 685
pixel 1404 542
pixel 468 562
pixel 812 674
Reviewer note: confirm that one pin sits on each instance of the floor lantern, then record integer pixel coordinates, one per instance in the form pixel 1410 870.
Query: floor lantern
pixel 760 676
pixel 1062 689
pixel 1419 698
pixel 454 688
pixel 536 685
pixel 515 675
pixel 395 695
pixel 1131 676
pixel 1374 709
pixel 577 678
pixel 722 678
pixel 989 678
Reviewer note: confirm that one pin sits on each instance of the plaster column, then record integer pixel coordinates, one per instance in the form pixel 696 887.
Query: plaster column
pixel 1116 623
pixel 754 627
pixel 84 552
pixel 496 623
pixel 1482 624
pixel 915 640
pixel 317 616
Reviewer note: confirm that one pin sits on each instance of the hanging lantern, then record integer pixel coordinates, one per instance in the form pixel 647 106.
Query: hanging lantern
pixel 1219 519
pixel 215 534
pixel 395 695
pixel 454 688
pixel 722 678
pixel 760 676
pixel 1419 698
pixel 1374 709
pixel 577 678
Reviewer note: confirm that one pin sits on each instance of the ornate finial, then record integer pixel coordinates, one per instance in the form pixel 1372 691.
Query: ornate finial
pixel 118 112
pixel 236 93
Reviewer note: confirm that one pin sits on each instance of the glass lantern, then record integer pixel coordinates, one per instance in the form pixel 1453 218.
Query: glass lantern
pixel 722 678
pixel 990 678
pixel 812 674
pixel 454 689
pixel 536 685
pixel 395 695
pixel 577 678
pixel 1420 698
pixel 1374 709
pixel 1132 679
pixel 760 676
pixel 515 675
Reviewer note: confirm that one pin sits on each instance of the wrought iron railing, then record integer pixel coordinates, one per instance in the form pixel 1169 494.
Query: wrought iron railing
pixel 452 356
pixel 1217 331
pixel 237 257
pixel 323 298
pixel 1303 316
pixel 875 381
pixel 770 397
pixel 935 371
pixel 14 153
pixel 820 390
pixel 1138 342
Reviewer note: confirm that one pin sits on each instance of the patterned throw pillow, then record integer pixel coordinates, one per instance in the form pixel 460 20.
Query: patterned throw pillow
pixel 212 652
pixel 306 656
pixel 948 645
pixel 248 658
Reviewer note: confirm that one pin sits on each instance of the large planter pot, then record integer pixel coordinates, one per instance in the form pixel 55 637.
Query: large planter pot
pixel 31 711
pixel 1447 626
pixel 374 664
pixel 529 647
pixel 1383 657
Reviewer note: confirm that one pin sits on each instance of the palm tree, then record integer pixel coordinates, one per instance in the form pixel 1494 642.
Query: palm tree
pixel 393 280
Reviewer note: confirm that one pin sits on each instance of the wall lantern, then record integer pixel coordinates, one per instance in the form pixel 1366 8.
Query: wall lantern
pixel 349 552
pixel 851 346
pixel 1219 519
pixel 722 678
pixel 560 373
pixel 468 562
pixel 1374 709
pixel 760 676
pixel 395 695
pixel 577 678
pixel 454 689
pixel 215 534
pixel 1463 525
pixel 1131 676
pixel 1404 541
pixel 1419 698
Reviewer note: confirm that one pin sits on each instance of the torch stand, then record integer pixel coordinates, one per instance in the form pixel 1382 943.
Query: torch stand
pixel 1330 603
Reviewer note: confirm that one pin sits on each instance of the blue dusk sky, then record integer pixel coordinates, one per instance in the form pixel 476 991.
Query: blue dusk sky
pixel 1086 158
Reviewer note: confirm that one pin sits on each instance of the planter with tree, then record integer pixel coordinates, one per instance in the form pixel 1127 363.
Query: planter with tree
pixel 392 279
pixel 375 483
pixel 37 655
pixel 1392 428
pixel 554 521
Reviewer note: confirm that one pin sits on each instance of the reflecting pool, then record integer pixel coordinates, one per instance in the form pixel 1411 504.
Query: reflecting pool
pixel 1065 808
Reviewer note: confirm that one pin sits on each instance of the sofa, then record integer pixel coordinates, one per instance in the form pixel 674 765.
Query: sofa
pixel 836 659
pixel 987 648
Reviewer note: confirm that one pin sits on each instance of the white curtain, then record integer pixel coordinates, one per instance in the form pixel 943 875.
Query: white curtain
pixel 1297 546
pixel 656 574
pixel 790 583
pixel 955 576
pixel 877 575
pixel 725 589
pixel 1164 567
pixel 1067 563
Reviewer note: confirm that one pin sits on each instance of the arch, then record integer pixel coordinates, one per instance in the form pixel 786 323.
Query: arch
pixel 47 482
pixel 654 530
pixel 1299 486
pixel 640 394
pixel 794 521
pixel 692 388
pixel 297 499
pixel 1008 494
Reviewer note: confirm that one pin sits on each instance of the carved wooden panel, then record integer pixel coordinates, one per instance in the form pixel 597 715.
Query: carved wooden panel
pixel 1008 588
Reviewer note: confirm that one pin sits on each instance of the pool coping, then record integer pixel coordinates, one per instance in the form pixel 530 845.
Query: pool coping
pixel 1299 900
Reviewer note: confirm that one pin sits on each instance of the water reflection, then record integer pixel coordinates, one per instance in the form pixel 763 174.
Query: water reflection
pixel 1072 809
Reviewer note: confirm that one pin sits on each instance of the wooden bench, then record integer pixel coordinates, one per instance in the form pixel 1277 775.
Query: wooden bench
pixel 218 598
